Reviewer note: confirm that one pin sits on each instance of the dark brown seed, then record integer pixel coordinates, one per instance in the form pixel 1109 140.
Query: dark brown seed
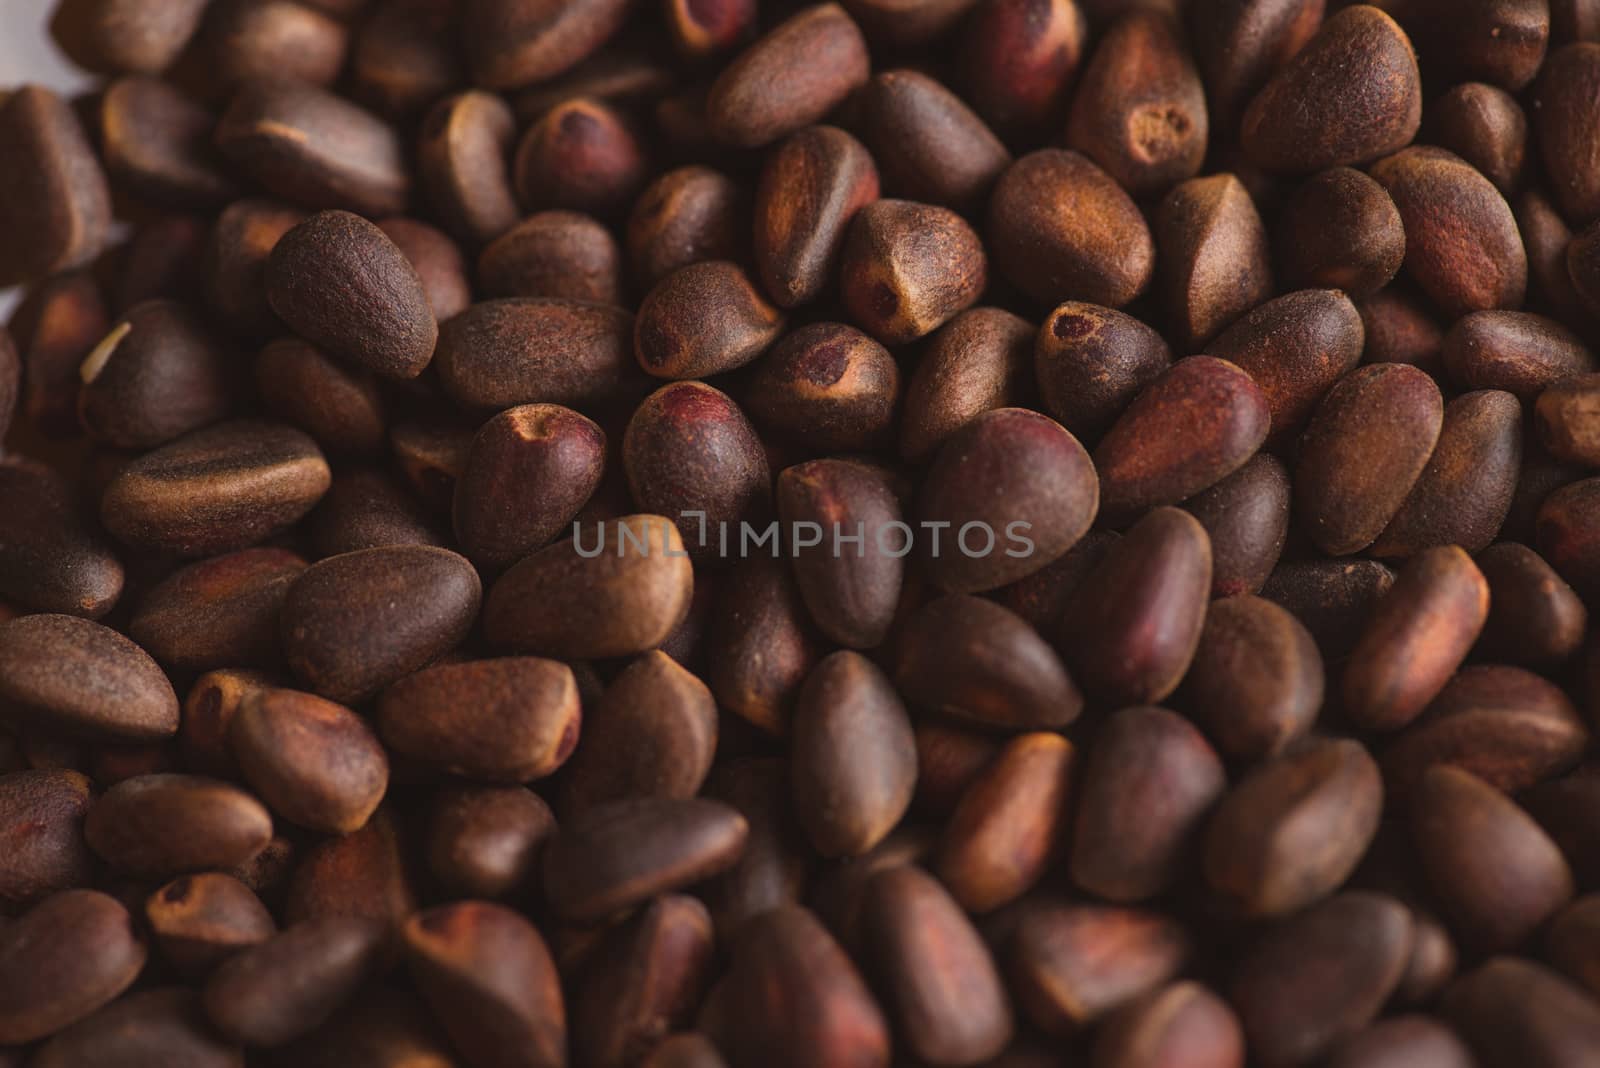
pixel 1564 117
pixel 1521 353
pixel 1367 445
pixel 1570 941
pixel 1071 965
pixel 1017 59
pixel 973 658
pixel 41 834
pixel 290 983
pixel 157 1026
pixel 208 710
pixel 1569 522
pixel 338 281
pixel 1353 93
pixel 1546 235
pixel 1132 627
pixel 381 1028
pixel 1485 126
pixel 57 324
pixel 1256 683
pixel 463 148
pixel 927 142
pixel 792 77
pixel 1401 330
pixel 365 874
pixel 1321 976
pixel 1061 228
pixel 704 319
pixel 1340 230
pixel 1009 824
pixel 701 29
pixel 218 612
pixel 233 273
pixel 1090 363
pixel 273 39
pixel 157 375
pixel 317 763
pixel 62 960
pixel 354 623
pixel 531 470
pixel 337 405
pixel 1187 430
pixel 215 490
pixel 312 148
pixel 653 734
pixel 794 998
pixel 1502 42
pixel 1012 491
pixel 1239 44
pixel 437 260
pixel 853 760
pixel 54 202
pixel 852 595
pixel 623 594
pixel 949 759
pixel 137 36
pixel 618 855
pixel 1565 416
pixel 1213 257
pixel 508 720
pixel 890 24
pixel 1535 619
pixel 486 973
pixel 761 643
pixel 1507 726
pixel 52 557
pixel 431 454
pixel 1417 637
pixel 773 868
pixel 1464 494
pixel 1574 20
pixel 1497 874
pixel 1149 782
pixel 487 841
pixel 811 187
pixel 501 353
pixel 1246 516
pixel 1462 243
pixel 512 43
pixel 1181 1024
pixel 404 56
pixel 581 155
pixel 908 268
pixel 1433 962
pixel 1291 831
pixel 562 254
pixel 1512 1011
pixel 1565 808
pixel 68 674
pixel 685 216
pixel 158 826
pixel 1140 110
pixel 941 984
pixel 367 508
pixel 158 143
pixel 829 387
pixel 199 921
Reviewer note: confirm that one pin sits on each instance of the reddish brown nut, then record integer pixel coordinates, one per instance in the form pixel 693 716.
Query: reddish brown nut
pixel 761 643
pixel 1293 829
pixel 1010 822
pixel 686 216
pixel 1566 415
pixel 1060 228
pixel 41 827
pixel 975 659
pixel 1012 491
pixel 977 362
pixel 1091 362
pixel 1184 1023
pixel 404 56
pixel 1353 93
pixel 512 43
pixel 157 142
pixel 1367 445
pixel 1497 874
pixel 581 155
pixel 365 874
pixel 57 206
pixel 829 387
pixel 501 353
pixel 1340 230
pixel 1239 44
pixel 69 676
pixel 1502 42
pixel 1417 637
pixel 1509 1009
pixel 531 470
pixel 158 826
pixel 928 144
pixel 702 320
pixel 802 69
pixel 1486 127
pixel 1017 60
pixel 219 611
pixel 1535 618
pixel 1564 117
pixel 1568 528
pixel 248 40
pixel 1520 353
pixel 1400 329
pixel 1546 235
pixel 136 36
pixel 62 960
pixel 899 25
pixel 338 405
pixel 316 763
pixel 462 151
pixel 1140 110
pixel 1462 243
pixel 1185 432
pixel 1246 516
pixel 438 262
pixel 1149 782
pixel 1256 684
pixel 199 921
pixel 1131 629
pixel 908 268
pixel 1212 257
pixel 1583 267
pixel 487 841
pixel 561 254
